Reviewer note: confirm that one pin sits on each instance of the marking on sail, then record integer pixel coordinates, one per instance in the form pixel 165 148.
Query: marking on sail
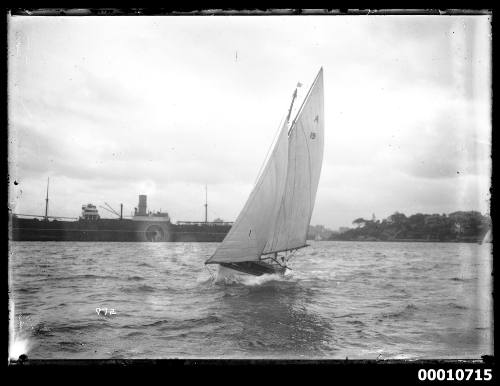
pixel 316 119
pixel 310 174
pixel 313 135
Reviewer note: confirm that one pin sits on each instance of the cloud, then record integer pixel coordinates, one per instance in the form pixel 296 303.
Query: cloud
pixel 448 144
pixel 112 107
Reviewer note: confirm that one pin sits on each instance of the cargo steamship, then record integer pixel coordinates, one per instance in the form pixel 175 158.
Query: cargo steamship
pixel 142 226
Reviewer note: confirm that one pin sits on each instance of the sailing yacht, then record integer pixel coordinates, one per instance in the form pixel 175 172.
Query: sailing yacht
pixel 273 224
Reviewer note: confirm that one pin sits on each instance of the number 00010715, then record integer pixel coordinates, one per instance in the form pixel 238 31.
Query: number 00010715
pixel 454 374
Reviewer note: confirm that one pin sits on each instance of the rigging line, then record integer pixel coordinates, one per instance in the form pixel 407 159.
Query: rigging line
pixel 237 224
pixel 258 186
pixel 303 102
pixel 253 193
pixel 268 150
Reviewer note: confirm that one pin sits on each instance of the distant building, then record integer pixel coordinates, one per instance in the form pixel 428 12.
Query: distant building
pixel 343 229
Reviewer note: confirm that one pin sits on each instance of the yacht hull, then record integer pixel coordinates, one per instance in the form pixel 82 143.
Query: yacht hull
pixel 255 268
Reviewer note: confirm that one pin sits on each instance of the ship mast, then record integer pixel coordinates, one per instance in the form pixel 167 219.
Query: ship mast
pixel 47 201
pixel 206 205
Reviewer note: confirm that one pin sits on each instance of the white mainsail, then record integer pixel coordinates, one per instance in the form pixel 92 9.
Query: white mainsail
pixel 277 214
pixel 305 157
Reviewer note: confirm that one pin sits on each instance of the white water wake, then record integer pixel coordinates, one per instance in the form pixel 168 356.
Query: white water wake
pixel 230 276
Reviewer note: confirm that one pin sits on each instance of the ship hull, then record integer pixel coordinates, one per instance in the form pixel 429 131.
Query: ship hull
pixel 209 232
pixel 124 230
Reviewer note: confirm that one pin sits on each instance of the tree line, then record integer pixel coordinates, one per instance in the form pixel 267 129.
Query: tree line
pixel 470 226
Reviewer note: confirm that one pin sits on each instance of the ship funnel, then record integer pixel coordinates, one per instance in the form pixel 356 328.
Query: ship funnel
pixel 142 205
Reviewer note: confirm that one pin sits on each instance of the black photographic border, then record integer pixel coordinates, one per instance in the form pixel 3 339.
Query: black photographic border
pixel 235 370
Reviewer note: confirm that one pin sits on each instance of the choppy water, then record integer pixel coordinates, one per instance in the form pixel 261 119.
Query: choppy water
pixel 354 299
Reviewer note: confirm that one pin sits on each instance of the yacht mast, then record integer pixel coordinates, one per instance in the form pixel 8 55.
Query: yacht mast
pixel 291 104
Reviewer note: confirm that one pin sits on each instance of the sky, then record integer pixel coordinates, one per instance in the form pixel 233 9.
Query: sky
pixel 112 107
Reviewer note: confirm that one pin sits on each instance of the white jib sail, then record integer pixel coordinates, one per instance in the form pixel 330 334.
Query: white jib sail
pixel 250 232
pixel 305 157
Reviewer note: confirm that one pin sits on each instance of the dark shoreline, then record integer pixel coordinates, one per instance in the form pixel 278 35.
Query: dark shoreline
pixel 409 241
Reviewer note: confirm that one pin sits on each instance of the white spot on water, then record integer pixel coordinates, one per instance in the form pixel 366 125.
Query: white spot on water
pixel 18 344
pixel 18 348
